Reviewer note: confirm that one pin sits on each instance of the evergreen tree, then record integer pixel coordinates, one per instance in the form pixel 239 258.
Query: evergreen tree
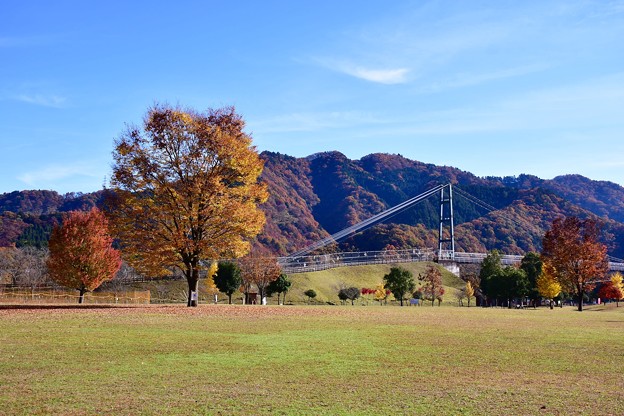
pixel 400 282
pixel 228 278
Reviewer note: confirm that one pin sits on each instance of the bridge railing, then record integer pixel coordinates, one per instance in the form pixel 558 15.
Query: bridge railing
pixel 616 267
pixel 311 263
pixel 506 259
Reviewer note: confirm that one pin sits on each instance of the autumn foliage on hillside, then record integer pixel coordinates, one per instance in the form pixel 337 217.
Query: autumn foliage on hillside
pixel 337 192
pixel 290 222
pixel 326 192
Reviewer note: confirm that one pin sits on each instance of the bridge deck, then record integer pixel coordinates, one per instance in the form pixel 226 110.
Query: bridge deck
pixel 313 263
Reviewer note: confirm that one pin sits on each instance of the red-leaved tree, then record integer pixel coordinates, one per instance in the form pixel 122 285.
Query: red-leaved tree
pixel 432 288
pixel 610 291
pixel 572 248
pixel 81 252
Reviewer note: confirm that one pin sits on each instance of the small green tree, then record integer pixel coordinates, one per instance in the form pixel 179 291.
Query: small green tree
pixel 349 293
pixel 490 268
pixel 400 282
pixel 279 286
pixel 342 295
pixel 228 279
pixel 310 293
pixel 532 265
pixel 513 284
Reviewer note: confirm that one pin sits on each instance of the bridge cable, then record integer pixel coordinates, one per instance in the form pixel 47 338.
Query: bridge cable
pixel 490 208
pixel 486 206
pixel 375 219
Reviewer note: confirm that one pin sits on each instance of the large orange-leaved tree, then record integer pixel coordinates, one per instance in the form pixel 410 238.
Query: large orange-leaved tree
pixel 81 253
pixel 185 191
pixel 573 251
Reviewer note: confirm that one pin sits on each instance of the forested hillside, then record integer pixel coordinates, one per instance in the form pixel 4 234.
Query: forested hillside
pixel 326 192
pixel 338 192
pixel 27 217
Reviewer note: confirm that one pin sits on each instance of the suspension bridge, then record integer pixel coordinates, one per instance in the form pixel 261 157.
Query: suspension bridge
pixel 305 260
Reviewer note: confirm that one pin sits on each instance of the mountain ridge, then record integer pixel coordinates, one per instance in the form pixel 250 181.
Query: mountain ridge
pixel 314 196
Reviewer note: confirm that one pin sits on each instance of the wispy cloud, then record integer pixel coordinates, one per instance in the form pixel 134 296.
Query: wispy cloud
pixel 443 46
pixel 366 72
pixel 314 121
pixel 571 112
pixel 56 172
pixel 382 76
pixel 54 101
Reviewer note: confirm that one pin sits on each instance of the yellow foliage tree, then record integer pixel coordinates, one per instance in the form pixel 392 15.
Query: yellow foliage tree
pixel 547 284
pixel 381 293
pixel 617 280
pixel 469 291
pixel 185 191
pixel 618 284
pixel 210 286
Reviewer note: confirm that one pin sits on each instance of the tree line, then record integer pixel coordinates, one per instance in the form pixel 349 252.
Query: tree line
pixel 573 265
pixel 185 190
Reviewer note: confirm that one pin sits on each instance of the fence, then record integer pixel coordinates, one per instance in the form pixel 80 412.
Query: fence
pixel 43 296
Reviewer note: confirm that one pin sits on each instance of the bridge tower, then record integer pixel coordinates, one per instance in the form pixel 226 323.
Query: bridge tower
pixel 446 237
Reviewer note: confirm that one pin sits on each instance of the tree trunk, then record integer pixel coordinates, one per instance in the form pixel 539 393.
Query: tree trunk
pixel 81 297
pixel 580 301
pixel 551 304
pixel 401 300
pixel 193 286
pixel 229 298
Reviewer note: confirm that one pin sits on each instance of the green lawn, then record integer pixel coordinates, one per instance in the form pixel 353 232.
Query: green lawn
pixel 220 359
pixel 325 283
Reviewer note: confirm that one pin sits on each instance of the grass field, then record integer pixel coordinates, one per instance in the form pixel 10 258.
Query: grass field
pixel 309 360
pixel 325 283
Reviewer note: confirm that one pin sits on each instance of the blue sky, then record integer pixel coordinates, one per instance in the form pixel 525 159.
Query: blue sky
pixel 494 88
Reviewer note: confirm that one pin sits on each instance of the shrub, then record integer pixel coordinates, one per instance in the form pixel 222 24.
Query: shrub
pixel 310 293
